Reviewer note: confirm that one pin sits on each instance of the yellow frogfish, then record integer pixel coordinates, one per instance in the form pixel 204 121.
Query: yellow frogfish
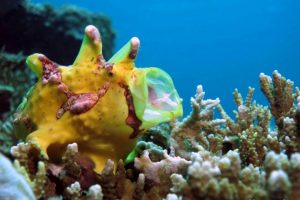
pixel 103 106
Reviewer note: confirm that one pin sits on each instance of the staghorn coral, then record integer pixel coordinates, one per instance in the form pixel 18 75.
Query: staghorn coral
pixel 187 136
pixel 250 130
pixel 279 92
pixel 72 104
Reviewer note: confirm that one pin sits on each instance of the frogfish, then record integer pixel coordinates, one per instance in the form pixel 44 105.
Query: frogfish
pixel 103 106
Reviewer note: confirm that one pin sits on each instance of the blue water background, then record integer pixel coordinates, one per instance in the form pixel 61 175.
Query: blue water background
pixel 221 44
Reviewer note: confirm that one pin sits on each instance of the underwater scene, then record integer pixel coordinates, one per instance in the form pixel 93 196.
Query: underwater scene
pixel 140 100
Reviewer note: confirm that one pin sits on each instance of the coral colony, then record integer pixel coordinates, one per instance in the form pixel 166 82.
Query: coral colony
pixel 94 130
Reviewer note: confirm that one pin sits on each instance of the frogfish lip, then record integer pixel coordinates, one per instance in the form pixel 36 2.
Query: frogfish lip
pixel 155 97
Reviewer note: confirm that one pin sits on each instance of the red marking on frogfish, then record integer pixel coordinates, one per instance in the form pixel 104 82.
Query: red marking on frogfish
pixel 50 71
pixel 81 103
pixel 132 120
